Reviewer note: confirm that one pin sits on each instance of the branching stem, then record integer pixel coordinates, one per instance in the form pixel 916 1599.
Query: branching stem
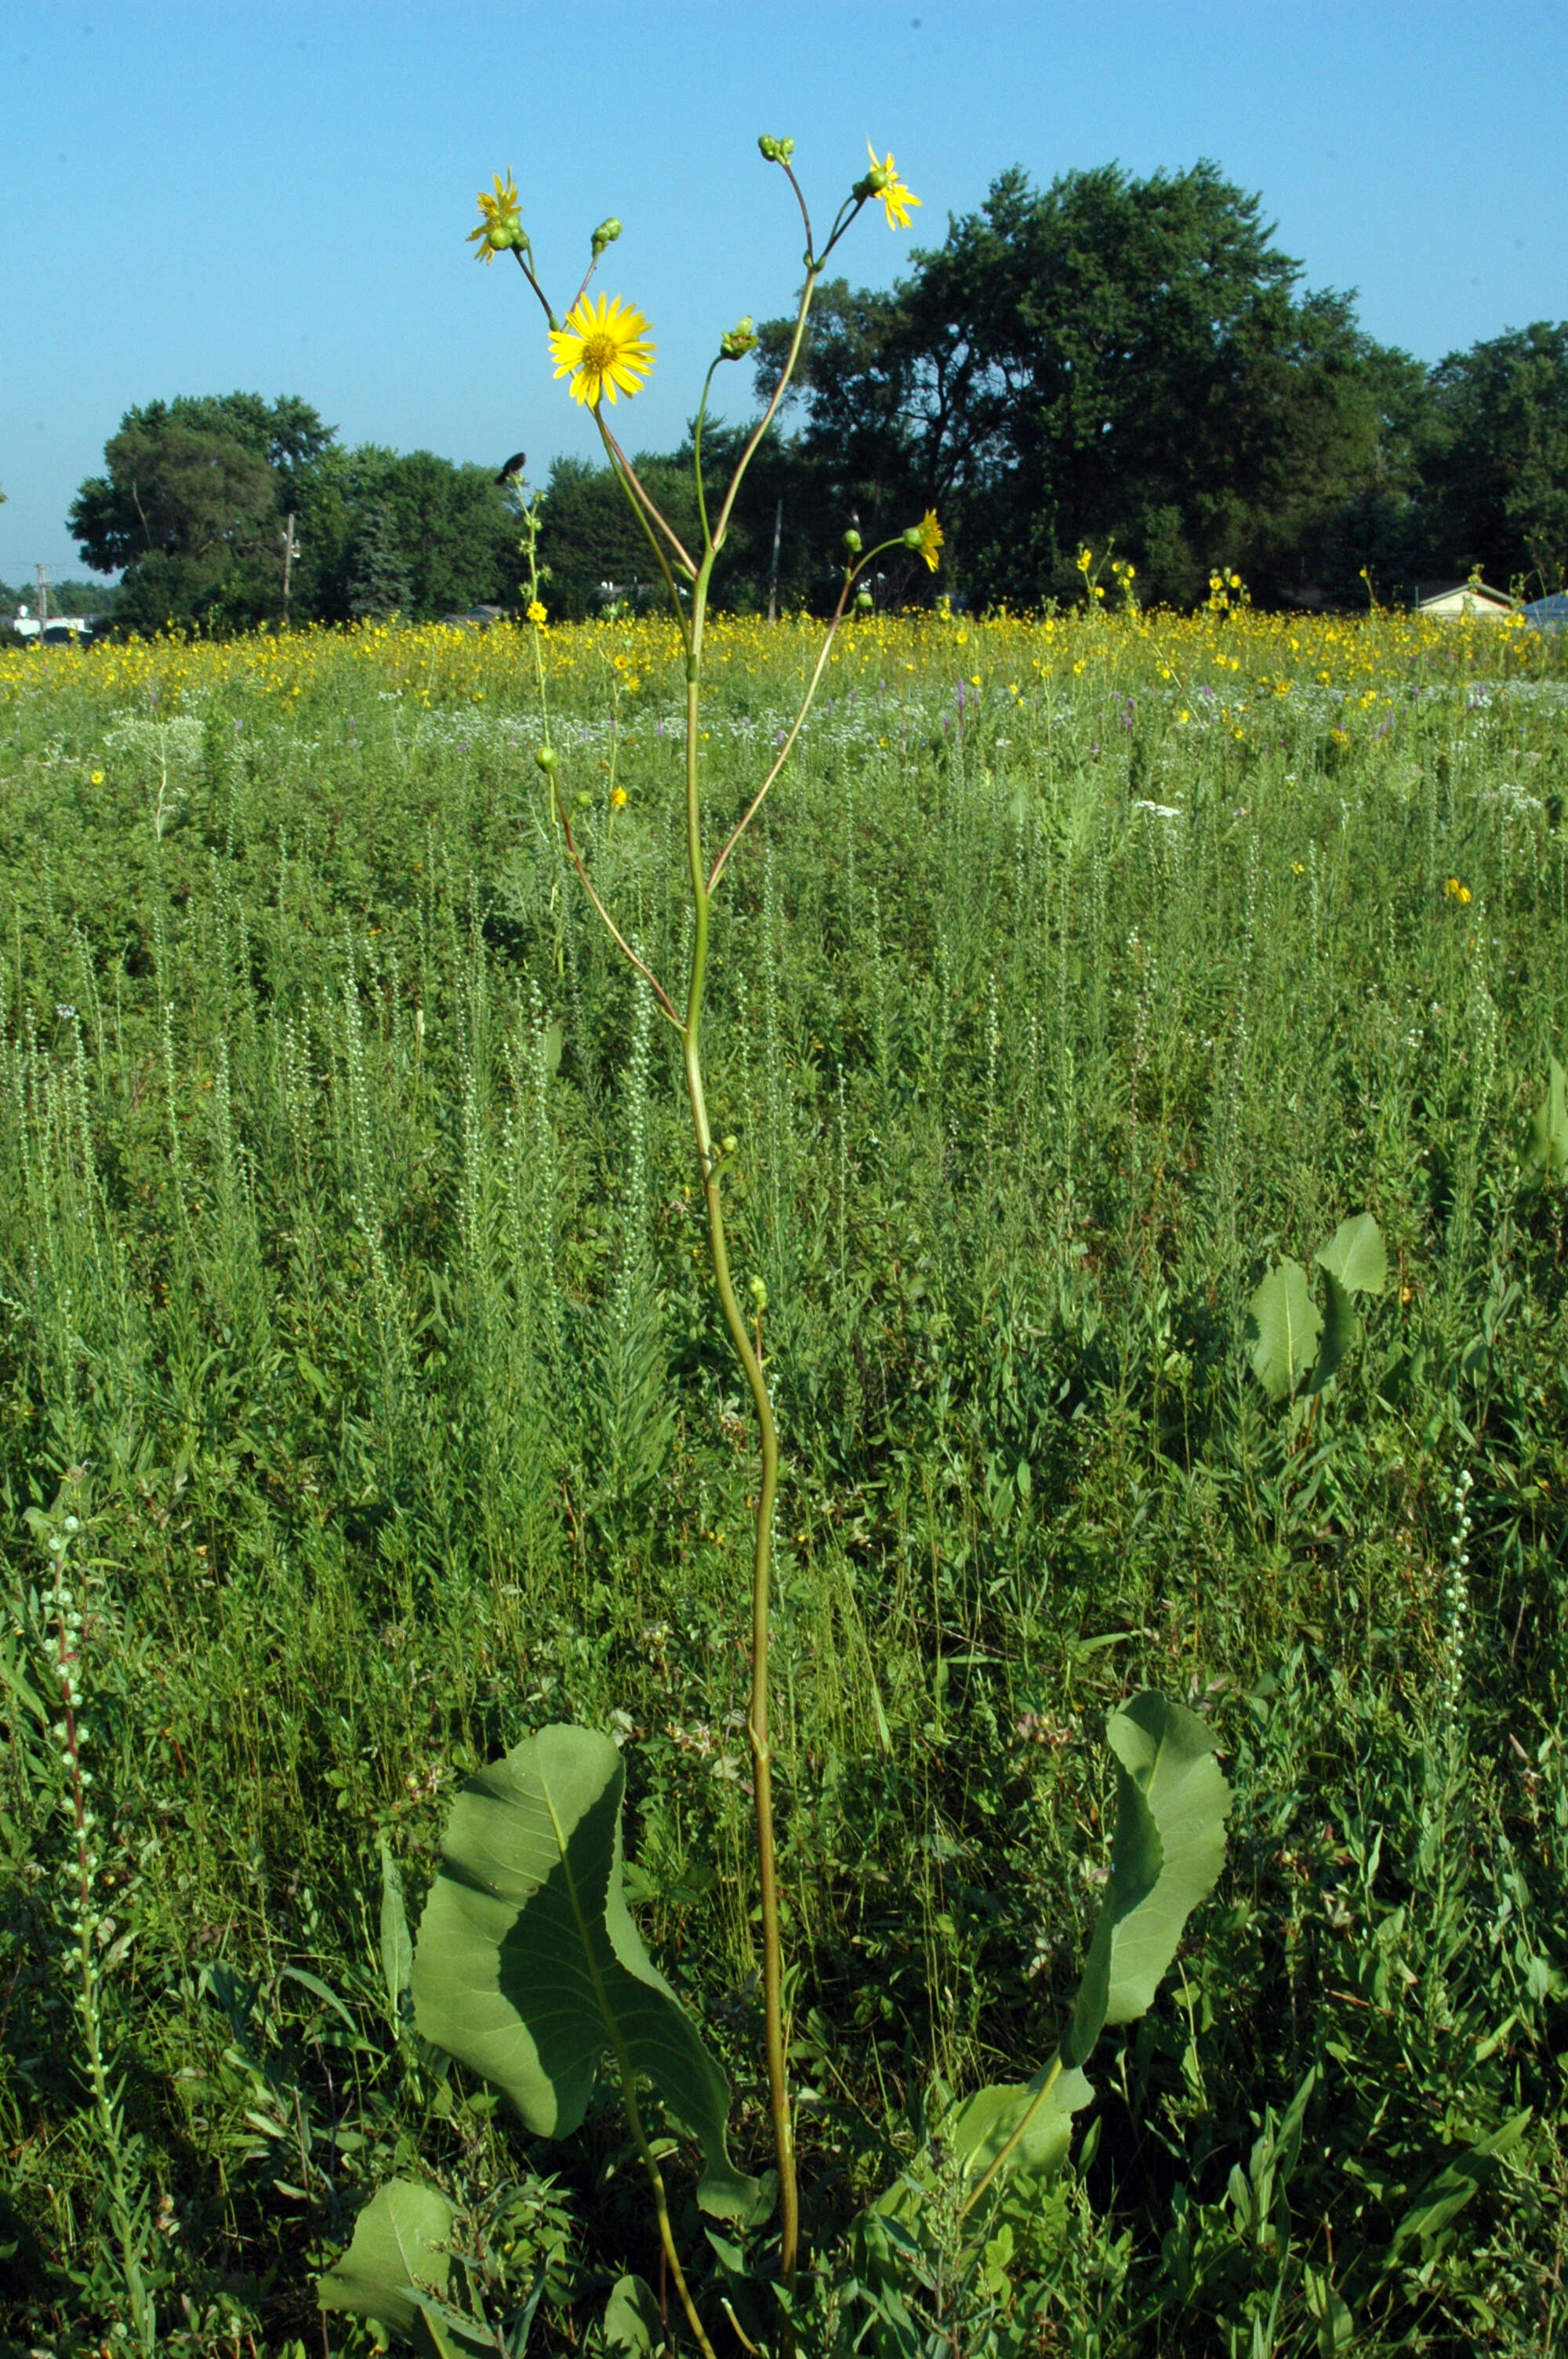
pixel 712 1164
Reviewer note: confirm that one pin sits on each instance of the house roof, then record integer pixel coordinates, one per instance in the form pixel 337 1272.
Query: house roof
pixel 1429 593
pixel 1550 613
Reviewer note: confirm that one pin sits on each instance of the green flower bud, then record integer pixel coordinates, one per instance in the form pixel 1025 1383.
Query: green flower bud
pixel 864 601
pixel 605 235
pixel 777 151
pixel 584 799
pixel 739 341
pixel 759 1293
pixel 546 758
pixel 852 542
pixel 729 1144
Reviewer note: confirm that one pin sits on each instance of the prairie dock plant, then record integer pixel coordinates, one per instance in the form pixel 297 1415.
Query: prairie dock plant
pixel 602 347
pixel 528 1966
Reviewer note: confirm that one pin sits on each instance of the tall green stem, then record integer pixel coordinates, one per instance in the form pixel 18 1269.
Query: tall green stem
pixel 710 1165
pixel 745 1352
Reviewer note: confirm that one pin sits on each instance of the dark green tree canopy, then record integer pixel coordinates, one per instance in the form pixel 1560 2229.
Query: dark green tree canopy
pixel 1495 459
pixel 195 494
pixel 190 503
pixel 1109 358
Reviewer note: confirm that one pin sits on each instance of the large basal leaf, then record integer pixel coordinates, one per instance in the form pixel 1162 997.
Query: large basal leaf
pixel 394 2255
pixel 1356 1255
pixel 1340 1328
pixel 1546 1142
pixel 1167 1851
pixel 1285 1329
pixel 528 1966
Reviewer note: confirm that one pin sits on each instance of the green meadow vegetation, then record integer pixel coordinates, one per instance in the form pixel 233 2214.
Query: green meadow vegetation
pixel 366 1408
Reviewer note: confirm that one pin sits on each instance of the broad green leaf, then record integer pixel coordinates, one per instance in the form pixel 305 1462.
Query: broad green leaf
pixel 1285 1330
pixel 982 2124
pixel 632 2321
pixel 396 1946
pixel 1167 1851
pixel 1546 1142
pixel 528 1966
pixel 1356 1255
pixel 1340 1328
pixel 976 2132
pixel 394 2254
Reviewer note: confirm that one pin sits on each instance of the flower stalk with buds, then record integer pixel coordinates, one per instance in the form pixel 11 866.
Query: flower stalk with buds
pixel 79 1872
pixel 603 348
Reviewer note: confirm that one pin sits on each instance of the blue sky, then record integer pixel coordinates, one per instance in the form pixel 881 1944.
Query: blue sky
pixel 206 197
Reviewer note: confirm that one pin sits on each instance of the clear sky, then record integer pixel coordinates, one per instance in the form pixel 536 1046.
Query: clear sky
pixel 202 197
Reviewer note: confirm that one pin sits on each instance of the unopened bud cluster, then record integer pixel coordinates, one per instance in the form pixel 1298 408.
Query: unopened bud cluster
pixel 777 151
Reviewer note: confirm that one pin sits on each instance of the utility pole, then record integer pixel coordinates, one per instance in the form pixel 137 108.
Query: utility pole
pixel 291 551
pixel 774 568
pixel 43 573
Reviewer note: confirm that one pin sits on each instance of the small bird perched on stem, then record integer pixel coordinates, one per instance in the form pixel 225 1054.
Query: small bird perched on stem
pixel 514 466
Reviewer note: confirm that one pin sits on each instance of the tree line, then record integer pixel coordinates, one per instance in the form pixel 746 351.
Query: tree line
pixel 229 511
pixel 1110 361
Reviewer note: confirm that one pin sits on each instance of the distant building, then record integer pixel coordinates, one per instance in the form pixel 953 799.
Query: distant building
pixel 1549 613
pixel 1462 602
pixel 59 631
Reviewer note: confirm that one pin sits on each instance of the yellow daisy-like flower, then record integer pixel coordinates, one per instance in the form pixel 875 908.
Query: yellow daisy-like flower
pixel 603 348
pixel 888 190
pixel 619 798
pixel 500 222
pixel 925 538
pixel 535 612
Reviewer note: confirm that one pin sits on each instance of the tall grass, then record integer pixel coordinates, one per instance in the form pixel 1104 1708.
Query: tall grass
pixel 347 1243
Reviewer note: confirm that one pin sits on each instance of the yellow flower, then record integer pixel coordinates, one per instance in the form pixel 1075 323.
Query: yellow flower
pixel 925 538
pixel 884 183
pixel 97 778
pixel 1458 892
pixel 619 798
pixel 501 225
pixel 536 612
pixel 603 346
